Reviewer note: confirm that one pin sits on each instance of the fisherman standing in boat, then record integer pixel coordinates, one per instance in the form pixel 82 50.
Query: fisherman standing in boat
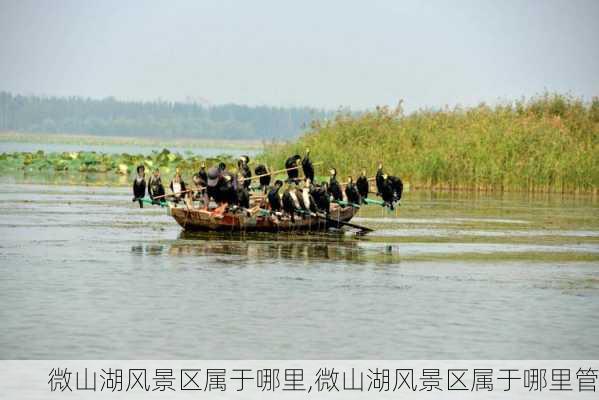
pixel 139 186
pixel 155 187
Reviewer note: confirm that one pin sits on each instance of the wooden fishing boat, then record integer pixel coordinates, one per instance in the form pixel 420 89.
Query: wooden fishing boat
pixel 196 219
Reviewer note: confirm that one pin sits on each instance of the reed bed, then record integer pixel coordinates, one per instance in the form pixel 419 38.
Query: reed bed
pixel 546 144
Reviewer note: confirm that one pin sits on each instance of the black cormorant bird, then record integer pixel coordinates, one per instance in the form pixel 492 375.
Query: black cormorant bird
pixel 155 187
pixel 351 192
pixel 264 180
pixel 203 174
pixel 245 171
pixel 362 185
pixel 139 185
pixel 379 179
pixel 322 198
pixel 334 187
pixel 274 200
pixel 293 174
pixel 307 166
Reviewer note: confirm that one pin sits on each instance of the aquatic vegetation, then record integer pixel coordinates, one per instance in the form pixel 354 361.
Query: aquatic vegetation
pixel 83 163
pixel 549 143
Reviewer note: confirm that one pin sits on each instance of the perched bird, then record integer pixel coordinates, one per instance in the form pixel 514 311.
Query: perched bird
pixel 155 187
pixel 386 191
pixel 397 187
pixel 362 185
pixel 139 185
pixel 243 195
pixel 264 180
pixel 290 203
pixel 202 173
pixel 307 199
pixel 379 179
pixel 334 187
pixel 292 174
pixel 351 192
pixel 274 199
pixel 245 171
pixel 307 166
pixel 322 198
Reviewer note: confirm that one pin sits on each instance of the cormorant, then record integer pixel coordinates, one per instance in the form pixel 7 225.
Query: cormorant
pixel 155 187
pixel 290 203
pixel 264 180
pixel 245 171
pixel 334 187
pixel 203 174
pixel 243 195
pixel 386 191
pixel 322 198
pixel 293 174
pixel 379 179
pixel 307 199
pixel 362 185
pixel 139 186
pixel 274 200
pixel 351 192
pixel 307 166
pixel 177 186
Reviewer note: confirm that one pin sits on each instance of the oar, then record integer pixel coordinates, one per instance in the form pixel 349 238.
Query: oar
pixel 336 222
pixel 342 223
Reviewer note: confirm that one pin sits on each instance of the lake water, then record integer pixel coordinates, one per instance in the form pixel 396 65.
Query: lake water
pixel 84 273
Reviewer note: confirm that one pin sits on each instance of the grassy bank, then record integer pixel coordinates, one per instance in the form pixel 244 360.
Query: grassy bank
pixel 550 143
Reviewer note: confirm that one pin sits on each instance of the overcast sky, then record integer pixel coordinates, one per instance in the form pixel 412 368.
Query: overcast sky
pixel 317 53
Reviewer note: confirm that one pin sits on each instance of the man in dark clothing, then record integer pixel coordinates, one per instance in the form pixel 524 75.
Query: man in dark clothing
pixel 292 174
pixel 139 185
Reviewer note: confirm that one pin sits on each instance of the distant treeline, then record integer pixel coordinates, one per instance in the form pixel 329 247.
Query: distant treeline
pixel 549 143
pixel 152 119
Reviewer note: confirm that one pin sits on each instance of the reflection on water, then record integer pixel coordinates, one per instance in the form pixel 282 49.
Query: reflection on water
pixel 308 248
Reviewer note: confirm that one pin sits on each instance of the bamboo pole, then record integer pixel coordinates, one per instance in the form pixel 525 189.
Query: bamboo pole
pixel 278 172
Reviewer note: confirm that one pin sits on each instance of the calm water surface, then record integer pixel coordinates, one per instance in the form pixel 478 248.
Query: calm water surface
pixel 86 274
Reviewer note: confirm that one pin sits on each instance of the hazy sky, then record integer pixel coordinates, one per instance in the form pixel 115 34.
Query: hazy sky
pixel 318 53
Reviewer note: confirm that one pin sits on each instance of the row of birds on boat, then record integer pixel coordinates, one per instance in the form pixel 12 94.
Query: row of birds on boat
pixel 231 191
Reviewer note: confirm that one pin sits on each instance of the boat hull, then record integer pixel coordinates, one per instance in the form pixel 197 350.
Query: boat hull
pixel 200 220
